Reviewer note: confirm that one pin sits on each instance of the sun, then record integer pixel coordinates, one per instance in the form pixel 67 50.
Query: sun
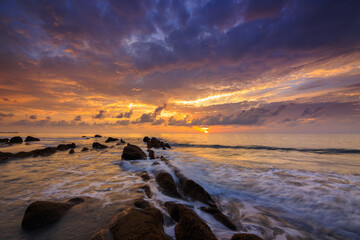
pixel 203 129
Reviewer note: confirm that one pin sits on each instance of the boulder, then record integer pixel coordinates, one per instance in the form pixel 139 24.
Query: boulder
pixel 146 139
pixel 31 139
pixel 147 190
pixel 84 149
pixel 139 224
pixel 151 154
pixel 65 147
pixel 132 152
pixel 97 136
pixel 71 151
pixel 245 236
pixel 16 139
pixel 219 216
pixel 167 184
pixel 141 203
pixel 97 145
pixel 44 152
pixel 144 175
pixel 110 139
pixel 167 145
pixel 197 192
pixel 4 140
pixel 5 156
pixel 164 159
pixel 122 141
pixel 155 163
pixel 41 213
pixel 190 226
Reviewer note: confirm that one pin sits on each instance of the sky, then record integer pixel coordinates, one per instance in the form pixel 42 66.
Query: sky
pixel 207 66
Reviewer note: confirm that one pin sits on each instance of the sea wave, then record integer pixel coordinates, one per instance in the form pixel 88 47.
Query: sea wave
pixel 257 147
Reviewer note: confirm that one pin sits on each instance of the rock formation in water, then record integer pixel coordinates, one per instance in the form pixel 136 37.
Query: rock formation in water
pixel 132 152
pixel 31 139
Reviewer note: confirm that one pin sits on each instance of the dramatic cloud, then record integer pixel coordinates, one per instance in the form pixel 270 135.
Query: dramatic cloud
pixel 77 118
pixel 100 115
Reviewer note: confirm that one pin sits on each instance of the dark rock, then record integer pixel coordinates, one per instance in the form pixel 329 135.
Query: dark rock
pixel 30 139
pixel 144 175
pixel 97 136
pixel 147 191
pixel 44 152
pixel 97 145
pixel 151 154
pixel 4 140
pixel 139 224
pixel 110 139
pixel 41 213
pixel 219 216
pixel 245 236
pixel 132 152
pixel 146 139
pixel 167 145
pixel 83 136
pixel 16 139
pixel 84 149
pixel 71 151
pixel 65 147
pixel 155 163
pixel 165 160
pixel 76 201
pixel 122 141
pixel 141 203
pixel 167 184
pixel 5 156
pixel 100 235
pixel 197 192
pixel 190 225
pixel 154 142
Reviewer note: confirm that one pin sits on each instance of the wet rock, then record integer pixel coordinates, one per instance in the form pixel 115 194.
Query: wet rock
pixel 197 192
pixel 5 156
pixel 219 216
pixel 110 139
pixel 31 139
pixel 141 203
pixel 42 213
pixel 167 145
pixel 167 184
pixel 65 147
pixel 155 163
pixel 164 159
pixel 76 200
pixel 100 235
pixel 84 137
pixel 151 154
pixel 71 151
pixel 154 143
pixel 84 149
pixel 122 141
pixel 97 145
pixel 190 225
pixel 16 139
pixel 144 176
pixel 132 152
pixel 245 236
pixel 44 152
pixel 4 140
pixel 147 191
pixel 139 224
pixel 146 139
pixel 97 136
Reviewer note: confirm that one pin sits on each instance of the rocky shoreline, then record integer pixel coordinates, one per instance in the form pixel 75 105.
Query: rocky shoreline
pixel 144 220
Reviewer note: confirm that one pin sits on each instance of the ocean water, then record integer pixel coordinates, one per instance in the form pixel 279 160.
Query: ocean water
pixel 276 186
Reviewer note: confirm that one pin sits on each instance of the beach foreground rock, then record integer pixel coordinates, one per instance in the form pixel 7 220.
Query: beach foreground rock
pixel 16 139
pixel 132 152
pixel 219 216
pixel 167 184
pixel 197 192
pixel 139 224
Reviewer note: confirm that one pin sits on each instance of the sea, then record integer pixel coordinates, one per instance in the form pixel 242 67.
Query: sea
pixel 278 186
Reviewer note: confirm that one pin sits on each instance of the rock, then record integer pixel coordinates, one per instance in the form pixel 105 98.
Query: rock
pixel 167 145
pixel 44 152
pixel 144 175
pixel 155 163
pixel 139 224
pixel 197 192
pixel 71 151
pixel 190 225
pixel 16 139
pixel 30 139
pixel 83 137
pixel 65 147
pixel 110 139
pixel 151 154
pixel 5 156
pixel 76 200
pixel 4 140
pixel 146 139
pixel 97 136
pixel 122 141
pixel 141 203
pixel 97 145
pixel 245 236
pixel 41 213
pixel 219 216
pixel 154 143
pixel 165 160
pixel 100 235
pixel 147 190
pixel 167 184
pixel 84 149
pixel 132 152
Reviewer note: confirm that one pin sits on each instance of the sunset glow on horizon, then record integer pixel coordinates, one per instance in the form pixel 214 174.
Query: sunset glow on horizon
pixel 234 66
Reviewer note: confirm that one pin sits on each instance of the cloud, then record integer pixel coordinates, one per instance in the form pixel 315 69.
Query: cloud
pixel 33 117
pixel 100 115
pixel 77 118
pixel 151 117
pixel 6 115
pixel 125 114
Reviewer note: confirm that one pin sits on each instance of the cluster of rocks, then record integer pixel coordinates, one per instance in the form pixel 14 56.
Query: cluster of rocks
pixel 155 143
pixel 18 139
